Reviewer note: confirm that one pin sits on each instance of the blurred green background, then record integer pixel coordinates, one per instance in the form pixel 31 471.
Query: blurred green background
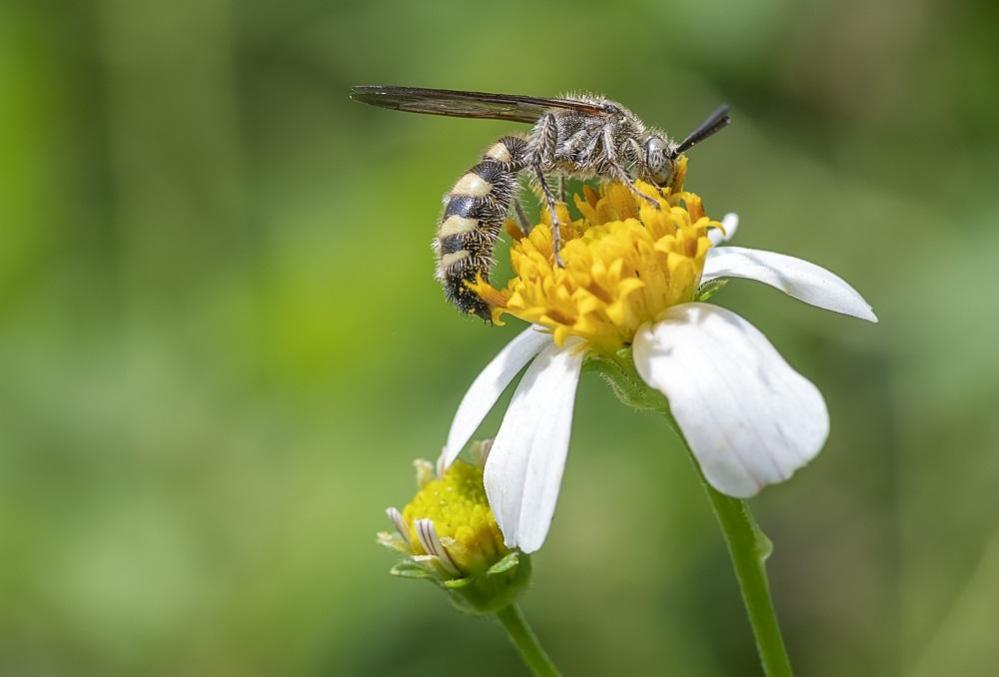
pixel 221 344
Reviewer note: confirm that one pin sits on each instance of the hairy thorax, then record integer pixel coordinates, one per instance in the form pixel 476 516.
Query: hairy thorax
pixel 584 145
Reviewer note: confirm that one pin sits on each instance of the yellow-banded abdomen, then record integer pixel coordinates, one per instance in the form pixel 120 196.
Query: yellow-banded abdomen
pixel 474 211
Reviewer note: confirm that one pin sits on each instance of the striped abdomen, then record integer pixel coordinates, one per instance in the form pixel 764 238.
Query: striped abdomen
pixel 474 211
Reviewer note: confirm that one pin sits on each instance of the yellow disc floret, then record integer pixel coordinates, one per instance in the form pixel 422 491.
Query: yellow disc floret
pixel 456 504
pixel 626 262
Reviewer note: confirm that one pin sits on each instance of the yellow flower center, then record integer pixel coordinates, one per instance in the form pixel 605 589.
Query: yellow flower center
pixel 456 503
pixel 625 263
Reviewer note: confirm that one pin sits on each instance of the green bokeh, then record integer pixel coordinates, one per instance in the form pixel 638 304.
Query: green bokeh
pixel 221 344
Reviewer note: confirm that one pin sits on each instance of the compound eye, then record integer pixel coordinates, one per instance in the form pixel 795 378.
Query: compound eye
pixel 665 173
pixel 660 166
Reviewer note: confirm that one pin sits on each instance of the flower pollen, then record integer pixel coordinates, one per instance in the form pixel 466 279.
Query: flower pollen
pixel 459 518
pixel 626 262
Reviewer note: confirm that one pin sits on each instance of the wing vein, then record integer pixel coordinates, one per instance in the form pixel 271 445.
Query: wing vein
pixel 456 103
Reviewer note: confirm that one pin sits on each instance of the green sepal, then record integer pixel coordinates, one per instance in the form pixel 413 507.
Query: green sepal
pixel 496 588
pixel 410 569
pixel 485 593
pixel 456 583
pixel 618 371
pixel 510 561
pixel 709 289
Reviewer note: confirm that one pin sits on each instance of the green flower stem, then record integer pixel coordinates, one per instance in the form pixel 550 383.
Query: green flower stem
pixel 748 546
pixel 526 641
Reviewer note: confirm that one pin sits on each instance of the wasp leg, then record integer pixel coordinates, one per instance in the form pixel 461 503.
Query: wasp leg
pixel 623 177
pixel 550 199
pixel 544 138
pixel 620 173
pixel 525 225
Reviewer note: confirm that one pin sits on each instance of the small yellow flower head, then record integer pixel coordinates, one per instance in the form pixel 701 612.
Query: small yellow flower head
pixel 450 536
pixel 457 507
pixel 626 262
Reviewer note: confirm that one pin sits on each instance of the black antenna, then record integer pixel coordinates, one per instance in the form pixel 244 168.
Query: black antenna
pixel 715 122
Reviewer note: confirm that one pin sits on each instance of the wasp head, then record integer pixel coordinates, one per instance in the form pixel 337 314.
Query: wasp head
pixel 659 159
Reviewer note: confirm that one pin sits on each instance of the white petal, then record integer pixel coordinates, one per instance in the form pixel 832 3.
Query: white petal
pixel 803 280
pixel 525 464
pixel 399 523
pixel 730 224
pixel 487 388
pixel 750 419
pixel 427 533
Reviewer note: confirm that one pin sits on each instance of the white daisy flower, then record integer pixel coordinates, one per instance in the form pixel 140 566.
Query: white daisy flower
pixel 633 277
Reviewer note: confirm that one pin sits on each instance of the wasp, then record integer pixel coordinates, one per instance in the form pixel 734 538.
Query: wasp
pixel 578 136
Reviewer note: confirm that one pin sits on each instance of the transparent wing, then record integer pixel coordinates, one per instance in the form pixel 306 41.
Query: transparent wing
pixel 467 104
